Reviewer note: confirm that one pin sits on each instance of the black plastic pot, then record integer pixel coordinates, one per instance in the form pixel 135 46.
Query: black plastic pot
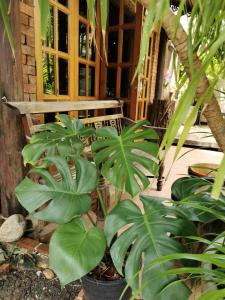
pixel 104 290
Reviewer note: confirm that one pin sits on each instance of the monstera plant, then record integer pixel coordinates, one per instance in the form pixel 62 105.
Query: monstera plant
pixel 78 246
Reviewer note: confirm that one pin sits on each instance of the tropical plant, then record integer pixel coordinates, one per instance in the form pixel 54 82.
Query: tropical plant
pixel 75 248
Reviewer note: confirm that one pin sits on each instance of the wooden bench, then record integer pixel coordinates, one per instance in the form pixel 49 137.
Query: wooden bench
pixel 116 119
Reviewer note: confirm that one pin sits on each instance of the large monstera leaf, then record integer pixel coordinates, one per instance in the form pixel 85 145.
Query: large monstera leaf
pixel 75 251
pixel 124 158
pixel 63 199
pixel 147 236
pixel 56 139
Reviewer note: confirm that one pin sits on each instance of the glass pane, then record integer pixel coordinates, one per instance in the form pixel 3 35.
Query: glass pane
pixel 128 45
pixel 91 81
pixel 62 31
pixel 112 46
pixel 125 83
pixel 48 68
pixel 92 47
pixel 82 80
pixel 63 76
pixel 83 8
pixel 129 17
pixel 63 2
pixel 111 82
pixel 82 40
pixel 49 42
pixel 114 12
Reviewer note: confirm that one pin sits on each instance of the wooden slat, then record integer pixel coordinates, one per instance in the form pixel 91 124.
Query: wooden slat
pixel 48 107
pixel 36 128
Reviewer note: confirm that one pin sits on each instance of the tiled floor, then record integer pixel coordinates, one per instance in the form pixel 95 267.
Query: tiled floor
pixel 180 167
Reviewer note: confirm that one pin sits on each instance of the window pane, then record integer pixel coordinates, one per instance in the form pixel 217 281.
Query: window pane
pixel 113 46
pixel 63 2
pixel 82 40
pixel 111 82
pixel 48 74
pixel 49 42
pixel 82 80
pixel 82 8
pixel 63 31
pixel 92 47
pixel 114 12
pixel 91 81
pixel 125 83
pixel 128 45
pixel 129 17
pixel 63 76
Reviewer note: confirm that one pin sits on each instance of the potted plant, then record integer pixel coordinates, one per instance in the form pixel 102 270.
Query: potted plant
pixel 133 235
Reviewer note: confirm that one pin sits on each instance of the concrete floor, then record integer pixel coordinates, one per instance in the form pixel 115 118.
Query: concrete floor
pixel 180 167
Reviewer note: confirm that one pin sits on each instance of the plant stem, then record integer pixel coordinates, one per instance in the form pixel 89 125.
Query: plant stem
pixel 90 218
pixel 102 203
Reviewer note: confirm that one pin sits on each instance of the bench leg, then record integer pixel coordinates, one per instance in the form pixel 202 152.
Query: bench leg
pixel 160 180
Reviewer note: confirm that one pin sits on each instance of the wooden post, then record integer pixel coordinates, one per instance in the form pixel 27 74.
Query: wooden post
pixel 11 134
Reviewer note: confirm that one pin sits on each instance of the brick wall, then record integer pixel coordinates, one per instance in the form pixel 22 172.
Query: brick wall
pixel 28 49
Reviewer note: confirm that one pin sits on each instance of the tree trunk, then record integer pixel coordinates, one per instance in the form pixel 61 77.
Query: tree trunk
pixel 212 111
pixel 11 133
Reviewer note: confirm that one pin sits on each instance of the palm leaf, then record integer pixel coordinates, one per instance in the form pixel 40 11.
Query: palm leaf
pixel 146 236
pixel 44 7
pixel 57 139
pixel 6 22
pixel 124 157
pixel 64 199
pixel 75 250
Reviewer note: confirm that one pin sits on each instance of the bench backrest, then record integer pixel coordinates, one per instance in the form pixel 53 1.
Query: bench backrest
pixel 28 109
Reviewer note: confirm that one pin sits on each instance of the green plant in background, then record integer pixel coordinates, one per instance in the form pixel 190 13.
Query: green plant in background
pixel 75 248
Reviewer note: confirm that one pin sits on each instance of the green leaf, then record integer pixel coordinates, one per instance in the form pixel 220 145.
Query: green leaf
pixel 75 251
pixel 104 13
pixel 44 13
pixel 6 22
pixel 124 157
pixel 64 199
pixel 56 139
pixel 219 180
pixel 91 17
pixel 144 239
pixel 213 295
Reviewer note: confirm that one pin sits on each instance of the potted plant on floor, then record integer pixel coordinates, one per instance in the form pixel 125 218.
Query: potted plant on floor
pixel 133 235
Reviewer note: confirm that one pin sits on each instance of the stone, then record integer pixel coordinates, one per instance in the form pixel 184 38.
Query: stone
pixel 27 244
pixel 2 256
pixel 42 261
pixel 5 268
pixel 12 229
pixel 48 274
pixel 46 232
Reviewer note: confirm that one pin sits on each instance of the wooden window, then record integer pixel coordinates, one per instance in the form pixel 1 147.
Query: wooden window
pixel 116 77
pixel 67 65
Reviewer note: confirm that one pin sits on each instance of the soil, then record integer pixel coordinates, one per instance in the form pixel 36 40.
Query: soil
pixel 31 284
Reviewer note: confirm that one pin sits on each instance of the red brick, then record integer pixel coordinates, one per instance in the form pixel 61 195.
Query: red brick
pixel 5 268
pixel 24 19
pixel 27 244
pixel 27 9
pixel 23 39
pixel 28 50
pixel 31 22
pixel 25 29
pixel 25 79
pixel 42 249
pixel 30 60
pixel 30 41
pixel 32 97
pixel 32 79
pixel 24 59
pixel 26 97
pixel 30 70
pixel 29 88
